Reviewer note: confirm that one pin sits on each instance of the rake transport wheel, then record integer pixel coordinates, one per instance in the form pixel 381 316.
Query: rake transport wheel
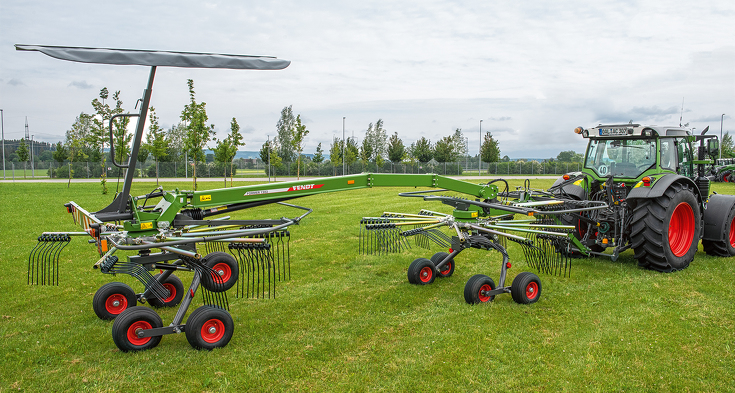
pixel 665 230
pixel 176 292
pixel 477 285
pixel 726 247
pixel 421 272
pixel 526 288
pixel 127 325
pixel 112 299
pixel 448 269
pixel 225 266
pixel 209 327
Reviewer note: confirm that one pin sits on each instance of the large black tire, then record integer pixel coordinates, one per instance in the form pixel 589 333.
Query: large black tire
pixel 127 324
pixel 225 266
pixel 726 247
pixel 448 269
pixel 176 292
pixel 665 230
pixel 475 288
pixel 112 299
pixel 209 327
pixel 526 288
pixel 421 272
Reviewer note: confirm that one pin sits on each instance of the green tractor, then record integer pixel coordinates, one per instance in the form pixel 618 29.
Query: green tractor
pixel 723 170
pixel 654 181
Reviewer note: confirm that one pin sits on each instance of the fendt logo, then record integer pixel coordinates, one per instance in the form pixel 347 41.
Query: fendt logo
pixel 293 188
pixel 306 187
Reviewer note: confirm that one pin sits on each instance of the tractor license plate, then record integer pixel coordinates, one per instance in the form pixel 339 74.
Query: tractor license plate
pixel 615 131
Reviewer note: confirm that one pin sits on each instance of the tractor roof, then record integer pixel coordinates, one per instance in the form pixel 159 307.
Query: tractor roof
pixel 157 58
pixel 633 130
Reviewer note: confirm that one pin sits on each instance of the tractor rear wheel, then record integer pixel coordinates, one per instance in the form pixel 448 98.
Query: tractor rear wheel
pixel 726 247
pixel 665 230
pixel 448 269
pixel 421 272
pixel 112 299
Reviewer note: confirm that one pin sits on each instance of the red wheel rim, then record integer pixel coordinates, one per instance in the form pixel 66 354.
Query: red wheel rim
pixel 681 229
pixel 133 333
pixel 116 303
pixel 425 274
pixel 171 290
pixel 223 271
pixel 446 269
pixel 213 331
pixel 732 233
pixel 532 290
pixel 484 288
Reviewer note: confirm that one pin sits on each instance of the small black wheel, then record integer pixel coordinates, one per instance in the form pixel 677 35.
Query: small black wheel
pixel 448 269
pixel 112 299
pixel 421 272
pixel 176 292
pixel 526 288
pixel 209 327
pixel 129 323
pixel 476 288
pixel 225 267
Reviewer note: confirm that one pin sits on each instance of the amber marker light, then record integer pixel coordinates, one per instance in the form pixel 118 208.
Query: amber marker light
pixel 578 130
pixel 565 177
pixel 646 181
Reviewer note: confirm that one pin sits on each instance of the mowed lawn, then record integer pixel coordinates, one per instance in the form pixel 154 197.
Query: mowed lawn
pixel 348 322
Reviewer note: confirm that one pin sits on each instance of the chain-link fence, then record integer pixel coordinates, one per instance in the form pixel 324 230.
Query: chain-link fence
pixel 257 168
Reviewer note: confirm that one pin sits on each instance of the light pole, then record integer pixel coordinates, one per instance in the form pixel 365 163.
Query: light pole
pixel 479 152
pixel 2 125
pixel 269 158
pixel 33 170
pixel 343 146
pixel 721 119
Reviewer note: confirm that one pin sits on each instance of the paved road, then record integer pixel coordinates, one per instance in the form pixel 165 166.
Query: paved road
pixel 249 179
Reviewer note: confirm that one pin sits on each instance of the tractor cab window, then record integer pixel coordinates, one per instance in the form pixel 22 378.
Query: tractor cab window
pixel 684 151
pixel 626 158
pixel 669 158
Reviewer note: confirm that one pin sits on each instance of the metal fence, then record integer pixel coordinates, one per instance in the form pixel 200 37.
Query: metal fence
pixel 253 168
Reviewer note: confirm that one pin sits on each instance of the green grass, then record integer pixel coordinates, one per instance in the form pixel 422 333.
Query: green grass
pixel 347 322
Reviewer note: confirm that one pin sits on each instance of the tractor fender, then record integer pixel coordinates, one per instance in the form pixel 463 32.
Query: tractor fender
pixel 716 215
pixel 571 188
pixel 660 186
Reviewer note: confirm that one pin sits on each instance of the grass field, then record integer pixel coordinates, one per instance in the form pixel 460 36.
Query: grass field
pixel 347 322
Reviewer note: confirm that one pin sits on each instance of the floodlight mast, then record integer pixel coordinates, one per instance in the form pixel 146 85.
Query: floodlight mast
pixel 118 209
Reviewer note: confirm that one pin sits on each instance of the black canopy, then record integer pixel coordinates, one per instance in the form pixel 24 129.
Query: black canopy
pixel 158 58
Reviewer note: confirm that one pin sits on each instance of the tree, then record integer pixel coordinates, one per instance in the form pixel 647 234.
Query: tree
pixel 490 152
pixel 376 139
pixel 175 146
pixel 285 130
pixel 226 149
pixel 143 154
pixel 319 155
pixel 727 146
pixel 297 141
pixel 569 156
pixel 396 150
pixel 269 156
pixel 23 154
pixel 61 154
pixel 75 140
pixel 351 152
pixel 335 154
pixel 423 150
pixel 459 142
pixel 198 133
pixel 156 140
pixel 120 134
pixel 444 150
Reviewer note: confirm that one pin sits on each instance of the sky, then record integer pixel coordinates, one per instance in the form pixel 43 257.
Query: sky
pixel 529 72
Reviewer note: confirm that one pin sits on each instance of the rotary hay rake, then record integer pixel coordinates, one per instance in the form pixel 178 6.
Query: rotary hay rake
pixel 179 234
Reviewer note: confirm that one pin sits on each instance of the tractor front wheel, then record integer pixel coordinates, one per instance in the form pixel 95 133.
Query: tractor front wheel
pixel 421 272
pixel 112 299
pixel 209 327
pixel 665 230
pixel 127 326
